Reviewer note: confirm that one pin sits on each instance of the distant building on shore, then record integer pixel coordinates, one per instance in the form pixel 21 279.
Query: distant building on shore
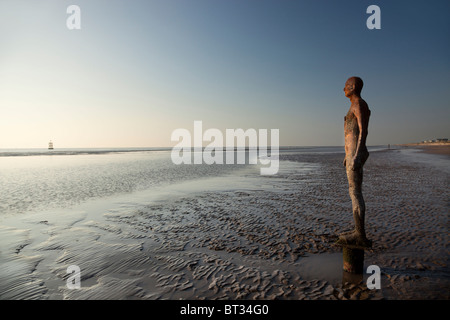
pixel 438 140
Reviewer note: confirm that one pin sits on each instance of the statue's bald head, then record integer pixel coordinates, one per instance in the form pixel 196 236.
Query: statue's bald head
pixel 357 83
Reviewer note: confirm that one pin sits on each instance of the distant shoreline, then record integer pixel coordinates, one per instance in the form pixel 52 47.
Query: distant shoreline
pixel 424 144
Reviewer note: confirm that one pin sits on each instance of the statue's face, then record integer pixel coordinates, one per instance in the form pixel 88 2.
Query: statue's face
pixel 349 88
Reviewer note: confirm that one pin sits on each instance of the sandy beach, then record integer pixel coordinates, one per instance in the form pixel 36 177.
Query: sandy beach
pixel 268 241
pixel 435 148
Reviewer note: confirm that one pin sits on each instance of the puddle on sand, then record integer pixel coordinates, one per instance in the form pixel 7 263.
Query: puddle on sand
pixel 324 266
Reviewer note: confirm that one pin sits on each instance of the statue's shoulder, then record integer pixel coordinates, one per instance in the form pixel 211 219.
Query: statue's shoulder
pixel 361 102
pixel 361 106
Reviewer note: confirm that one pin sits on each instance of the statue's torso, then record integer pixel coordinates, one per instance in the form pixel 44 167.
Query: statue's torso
pixel 351 131
pixel 351 124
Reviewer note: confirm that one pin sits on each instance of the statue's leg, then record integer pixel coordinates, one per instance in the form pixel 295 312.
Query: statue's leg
pixel 358 236
pixel 359 207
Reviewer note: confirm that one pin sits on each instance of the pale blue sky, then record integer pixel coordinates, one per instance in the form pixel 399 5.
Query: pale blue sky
pixel 137 70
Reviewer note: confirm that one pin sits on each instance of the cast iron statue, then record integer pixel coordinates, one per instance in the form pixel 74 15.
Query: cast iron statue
pixel 356 130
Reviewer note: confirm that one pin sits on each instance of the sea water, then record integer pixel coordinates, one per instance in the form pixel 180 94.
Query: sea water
pixel 33 180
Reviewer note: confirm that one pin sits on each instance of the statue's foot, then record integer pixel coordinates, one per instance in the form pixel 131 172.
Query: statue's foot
pixel 353 238
pixel 347 233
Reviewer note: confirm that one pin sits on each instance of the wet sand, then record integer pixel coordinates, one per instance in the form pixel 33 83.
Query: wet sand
pixel 441 149
pixel 273 240
pixel 433 148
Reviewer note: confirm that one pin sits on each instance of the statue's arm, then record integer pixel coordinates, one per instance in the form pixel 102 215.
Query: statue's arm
pixel 361 117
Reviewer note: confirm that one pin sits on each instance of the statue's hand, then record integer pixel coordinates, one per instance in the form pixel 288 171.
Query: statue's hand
pixel 355 164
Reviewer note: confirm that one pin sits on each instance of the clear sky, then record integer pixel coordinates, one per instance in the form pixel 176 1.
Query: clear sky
pixel 137 70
